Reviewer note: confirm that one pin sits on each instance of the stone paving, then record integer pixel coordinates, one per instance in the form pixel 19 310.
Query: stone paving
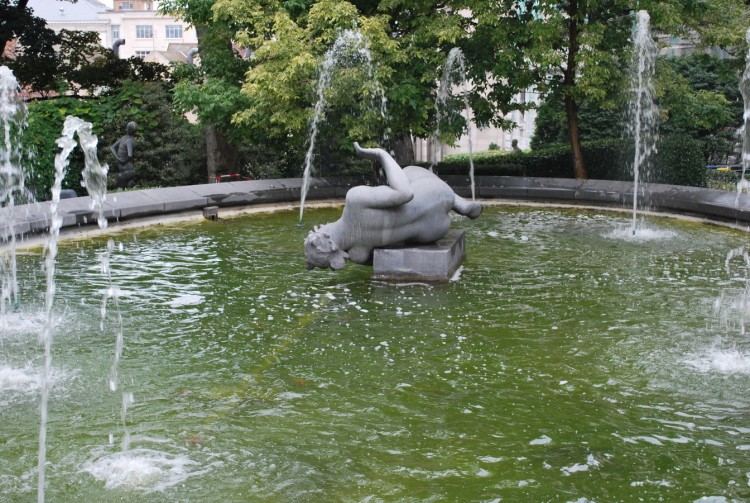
pixel 123 206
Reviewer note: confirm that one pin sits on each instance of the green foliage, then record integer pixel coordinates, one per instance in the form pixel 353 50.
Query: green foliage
pixel 679 161
pixel 574 50
pixel 44 125
pixel 290 40
pixel 577 49
pixel 34 61
pixel 699 96
pixel 74 62
pixel 596 122
pixel 722 180
pixel 169 150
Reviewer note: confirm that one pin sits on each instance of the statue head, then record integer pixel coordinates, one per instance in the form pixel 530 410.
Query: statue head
pixel 321 251
pixel 131 127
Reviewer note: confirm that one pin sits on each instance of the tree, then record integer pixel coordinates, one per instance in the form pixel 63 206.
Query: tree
pixel 32 58
pixel 211 90
pixel 408 43
pixel 699 96
pixel 577 48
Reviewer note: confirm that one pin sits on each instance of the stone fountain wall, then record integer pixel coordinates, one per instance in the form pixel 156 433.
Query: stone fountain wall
pixel 123 206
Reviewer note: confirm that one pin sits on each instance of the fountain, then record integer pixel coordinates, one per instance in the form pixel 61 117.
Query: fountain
pixel 550 370
pixel 745 129
pixel 349 45
pixel 643 113
pixel 95 180
pixel 454 62
pixel 550 366
pixel 12 119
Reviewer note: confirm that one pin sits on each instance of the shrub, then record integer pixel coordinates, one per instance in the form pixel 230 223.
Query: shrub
pixel 169 150
pixel 722 180
pixel 678 161
pixel 44 125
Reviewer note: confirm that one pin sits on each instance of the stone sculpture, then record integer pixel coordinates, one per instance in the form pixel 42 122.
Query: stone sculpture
pixel 413 208
pixel 124 150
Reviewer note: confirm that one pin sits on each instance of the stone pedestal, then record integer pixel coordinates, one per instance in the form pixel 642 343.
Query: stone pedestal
pixel 434 262
pixel 211 212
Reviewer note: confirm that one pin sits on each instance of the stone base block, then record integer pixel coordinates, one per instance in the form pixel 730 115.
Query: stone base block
pixel 434 262
pixel 211 212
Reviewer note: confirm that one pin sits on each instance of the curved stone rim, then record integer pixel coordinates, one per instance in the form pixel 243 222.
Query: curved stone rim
pixel 156 204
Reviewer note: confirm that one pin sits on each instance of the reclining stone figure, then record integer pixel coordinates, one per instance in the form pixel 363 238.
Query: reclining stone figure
pixel 413 208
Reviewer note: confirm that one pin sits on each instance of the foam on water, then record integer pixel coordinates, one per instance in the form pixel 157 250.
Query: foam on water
pixel 20 323
pixel 24 379
pixel 21 384
pixel 642 234
pixel 186 300
pixel 724 361
pixel 145 470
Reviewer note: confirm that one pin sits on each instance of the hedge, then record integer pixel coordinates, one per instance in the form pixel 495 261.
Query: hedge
pixel 678 161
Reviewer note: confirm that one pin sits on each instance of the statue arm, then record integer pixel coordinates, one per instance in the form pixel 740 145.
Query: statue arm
pixel 113 148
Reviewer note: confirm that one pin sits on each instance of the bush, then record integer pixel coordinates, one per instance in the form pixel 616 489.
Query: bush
pixel 169 150
pixel 722 180
pixel 678 161
pixel 44 125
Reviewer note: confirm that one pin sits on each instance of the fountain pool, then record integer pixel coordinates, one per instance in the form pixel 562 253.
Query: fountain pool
pixel 570 362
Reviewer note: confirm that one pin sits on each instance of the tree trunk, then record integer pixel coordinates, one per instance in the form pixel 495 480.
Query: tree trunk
pixel 571 112
pixel 403 149
pixel 569 76
pixel 222 157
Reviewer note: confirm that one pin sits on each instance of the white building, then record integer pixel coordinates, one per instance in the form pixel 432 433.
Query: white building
pixel 425 150
pixel 81 16
pixel 144 29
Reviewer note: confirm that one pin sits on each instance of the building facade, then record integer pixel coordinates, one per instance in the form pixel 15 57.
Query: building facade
pixel 481 139
pixel 144 29
pixel 147 31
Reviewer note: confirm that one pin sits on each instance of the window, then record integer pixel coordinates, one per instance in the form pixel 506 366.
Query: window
pixel 126 5
pixel 174 31
pixel 144 31
pixel 115 31
pixel 142 54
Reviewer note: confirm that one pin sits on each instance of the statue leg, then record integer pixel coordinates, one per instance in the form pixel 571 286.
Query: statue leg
pixel 471 209
pixel 397 192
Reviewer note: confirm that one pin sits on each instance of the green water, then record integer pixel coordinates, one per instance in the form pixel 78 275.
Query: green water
pixel 568 362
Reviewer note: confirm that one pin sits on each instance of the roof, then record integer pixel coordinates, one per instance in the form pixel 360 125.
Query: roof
pixel 166 57
pixel 59 11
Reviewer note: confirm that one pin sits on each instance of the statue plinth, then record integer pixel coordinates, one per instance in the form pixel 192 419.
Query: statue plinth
pixel 434 262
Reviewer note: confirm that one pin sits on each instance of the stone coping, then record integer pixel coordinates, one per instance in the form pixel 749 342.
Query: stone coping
pixel 31 219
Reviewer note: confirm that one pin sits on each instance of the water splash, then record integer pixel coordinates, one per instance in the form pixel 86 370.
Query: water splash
pixel 350 46
pixel 643 113
pixel 13 121
pixel 454 62
pixel 95 176
pixel 144 470
pixel 745 130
